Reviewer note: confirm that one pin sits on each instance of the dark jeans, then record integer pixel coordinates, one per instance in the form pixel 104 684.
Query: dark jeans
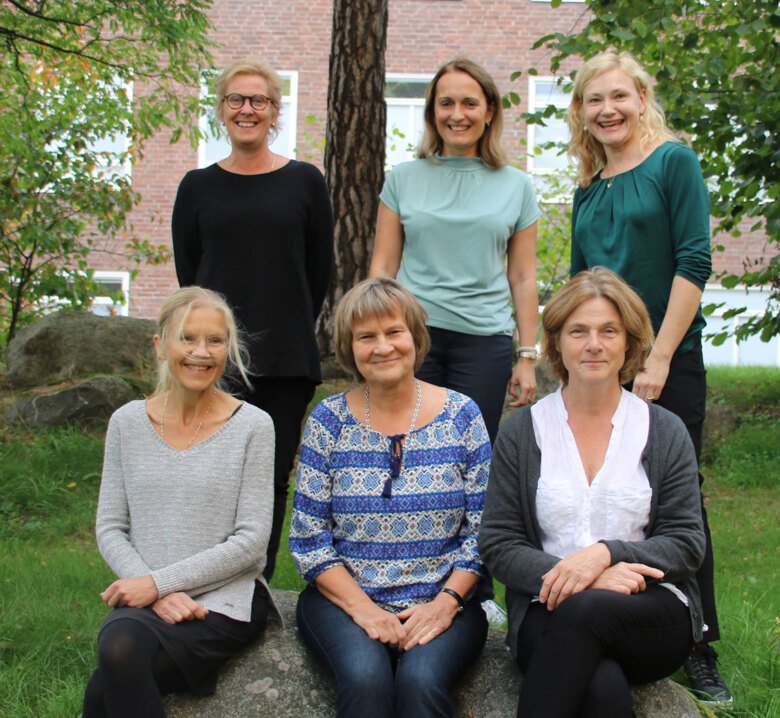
pixel 285 399
pixel 579 659
pixel 685 394
pixel 375 680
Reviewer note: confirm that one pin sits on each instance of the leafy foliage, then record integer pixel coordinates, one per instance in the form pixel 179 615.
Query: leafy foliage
pixel 717 66
pixel 83 86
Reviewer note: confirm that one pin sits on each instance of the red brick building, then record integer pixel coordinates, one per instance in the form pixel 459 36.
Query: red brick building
pixel 294 36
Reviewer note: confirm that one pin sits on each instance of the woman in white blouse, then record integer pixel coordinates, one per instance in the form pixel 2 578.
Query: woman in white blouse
pixel 592 518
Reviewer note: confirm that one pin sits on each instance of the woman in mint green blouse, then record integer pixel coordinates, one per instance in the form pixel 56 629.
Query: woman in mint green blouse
pixel 642 209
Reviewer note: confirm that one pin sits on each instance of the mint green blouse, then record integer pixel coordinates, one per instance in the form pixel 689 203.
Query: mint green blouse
pixel 649 225
pixel 458 216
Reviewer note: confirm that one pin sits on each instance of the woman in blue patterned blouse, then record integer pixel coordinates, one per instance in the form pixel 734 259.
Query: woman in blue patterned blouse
pixel 391 483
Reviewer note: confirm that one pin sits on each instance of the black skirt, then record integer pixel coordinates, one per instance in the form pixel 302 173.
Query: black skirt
pixel 200 648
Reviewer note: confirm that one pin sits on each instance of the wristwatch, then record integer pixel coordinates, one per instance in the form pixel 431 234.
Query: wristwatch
pixel 527 353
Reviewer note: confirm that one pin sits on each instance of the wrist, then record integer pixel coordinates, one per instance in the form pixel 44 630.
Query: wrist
pixel 453 597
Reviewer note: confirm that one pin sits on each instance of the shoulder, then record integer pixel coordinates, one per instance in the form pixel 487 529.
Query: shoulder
pixel 677 155
pixel 254 418
pixel 461 406
pixel 331 413
pixel 518 426
pixel 514 175
pixel 129 413
pixel 304 170
pixel 413 168
pixel 197 177
pixel 665 426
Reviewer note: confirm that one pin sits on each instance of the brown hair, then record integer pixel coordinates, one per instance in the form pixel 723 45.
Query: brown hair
pixel 378 297
pixel 593 284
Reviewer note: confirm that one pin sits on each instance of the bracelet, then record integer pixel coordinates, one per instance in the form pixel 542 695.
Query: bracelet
pixel 527 353
pixel 456 596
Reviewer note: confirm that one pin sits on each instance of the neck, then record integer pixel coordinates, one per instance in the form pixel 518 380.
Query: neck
pixel 592 400
pixel 250 160
pixel 393 397
pixel 187 404
pixel 623 159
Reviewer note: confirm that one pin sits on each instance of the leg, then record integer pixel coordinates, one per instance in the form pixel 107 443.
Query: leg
pixel 285 399
pixel 647 635
pixel 426 674
pixel 132 674
pixel 362 667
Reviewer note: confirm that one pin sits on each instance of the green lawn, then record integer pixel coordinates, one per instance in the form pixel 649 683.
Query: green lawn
pixel 51 573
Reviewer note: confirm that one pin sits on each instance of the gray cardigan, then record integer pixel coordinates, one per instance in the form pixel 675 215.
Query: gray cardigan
pixel 198 520
pixel 510 538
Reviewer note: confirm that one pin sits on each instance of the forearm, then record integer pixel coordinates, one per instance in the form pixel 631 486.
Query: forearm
pixel 684 301
pixel 388 244
pixel 338 586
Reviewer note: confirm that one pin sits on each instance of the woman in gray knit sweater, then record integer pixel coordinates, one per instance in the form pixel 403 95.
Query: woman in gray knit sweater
pixel 183 519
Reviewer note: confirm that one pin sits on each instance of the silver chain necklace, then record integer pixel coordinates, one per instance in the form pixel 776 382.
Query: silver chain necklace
pixel 200 425
pixel 415 414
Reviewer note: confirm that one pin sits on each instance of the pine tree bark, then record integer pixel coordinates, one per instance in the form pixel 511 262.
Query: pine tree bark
pixel 355 143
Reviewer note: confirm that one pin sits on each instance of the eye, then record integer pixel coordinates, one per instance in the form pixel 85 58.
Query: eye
pixel 576 331
pixel 217 341
pixel 187 339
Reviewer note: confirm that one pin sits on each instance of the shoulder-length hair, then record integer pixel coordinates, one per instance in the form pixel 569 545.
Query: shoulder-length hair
pixel 595 283
pixel 378 297
pixel 489 148
pixel 170 324
pixel 586 152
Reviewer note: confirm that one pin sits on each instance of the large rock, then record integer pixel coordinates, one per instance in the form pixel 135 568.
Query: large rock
pixel 92 400
pixel 67 345
pixel 278 678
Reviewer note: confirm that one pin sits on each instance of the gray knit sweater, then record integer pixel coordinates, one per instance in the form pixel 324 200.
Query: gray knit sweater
pixel 197 520
pixel 510 538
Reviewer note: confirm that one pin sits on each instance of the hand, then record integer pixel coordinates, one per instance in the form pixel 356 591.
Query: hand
pixel 134 592
pixel 626 578
pixel 177 607
pixel 428 620
pixel 522 383
pixel 379 624
pixel 649 383
pixel 573 574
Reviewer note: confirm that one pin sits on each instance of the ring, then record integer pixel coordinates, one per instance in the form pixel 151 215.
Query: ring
pixel 651 397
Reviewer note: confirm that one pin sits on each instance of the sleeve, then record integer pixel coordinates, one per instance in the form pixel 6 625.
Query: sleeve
pixel 529 207
pixel 506 538
pixel 475 479
pixel 184 228
pixel 578 263
pixel 311 524
pixel 389 194
pixel 112 526
pixel 689 208
pixel 676 541
pixel 247 544
pixel 319 241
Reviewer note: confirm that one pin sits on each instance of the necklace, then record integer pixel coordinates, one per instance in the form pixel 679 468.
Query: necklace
pixel 609 182
pixel 416 412
pixel 200 425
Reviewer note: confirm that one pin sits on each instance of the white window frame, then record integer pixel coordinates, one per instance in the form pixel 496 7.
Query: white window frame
pixel 533 106
pixel 122 278
pixel 288 118
pixel 411 102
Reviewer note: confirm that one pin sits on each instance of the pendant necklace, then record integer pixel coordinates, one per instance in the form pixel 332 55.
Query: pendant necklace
pixel 199 427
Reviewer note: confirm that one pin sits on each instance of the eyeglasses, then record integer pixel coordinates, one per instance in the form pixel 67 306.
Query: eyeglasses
pixel 396 455
pixel 235 101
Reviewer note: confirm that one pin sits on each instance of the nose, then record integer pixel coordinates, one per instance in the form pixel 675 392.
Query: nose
pixel 200 348
pixel 594 341
pixel 383 346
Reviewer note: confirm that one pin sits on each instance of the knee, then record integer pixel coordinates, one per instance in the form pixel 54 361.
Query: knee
pixel 581 609
pixel 609 693
pixel 118 648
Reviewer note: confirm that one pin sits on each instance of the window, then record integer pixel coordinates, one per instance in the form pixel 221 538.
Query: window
pixel 543 158
pixel 405 98
pixel 114 283
pixel 216 145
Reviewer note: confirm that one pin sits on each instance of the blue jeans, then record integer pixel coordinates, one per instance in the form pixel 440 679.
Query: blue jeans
pixel 378 681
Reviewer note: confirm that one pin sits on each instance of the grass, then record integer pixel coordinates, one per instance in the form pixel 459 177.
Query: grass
pixel 51 573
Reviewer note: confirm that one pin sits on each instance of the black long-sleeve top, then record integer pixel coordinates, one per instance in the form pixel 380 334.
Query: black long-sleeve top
pixel 266 243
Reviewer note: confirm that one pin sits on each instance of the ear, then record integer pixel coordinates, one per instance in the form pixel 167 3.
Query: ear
pixel 490 113
pixel 158 348
pixel 643 99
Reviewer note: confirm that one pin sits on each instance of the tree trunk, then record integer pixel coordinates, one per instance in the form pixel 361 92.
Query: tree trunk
pixel 355 142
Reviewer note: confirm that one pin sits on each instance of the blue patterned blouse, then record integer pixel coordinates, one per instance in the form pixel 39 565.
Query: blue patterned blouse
pixel 402 549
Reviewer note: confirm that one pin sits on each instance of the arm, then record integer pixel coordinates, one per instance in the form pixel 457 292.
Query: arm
pixel 184 228
pixel 388 243
pixel 319 242
pixel 578 262
pixel 521 274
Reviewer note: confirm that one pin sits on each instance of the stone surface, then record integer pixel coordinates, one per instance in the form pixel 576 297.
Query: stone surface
pixel 64 346
pixel 719 421
pixel 92 400
pixel 278 678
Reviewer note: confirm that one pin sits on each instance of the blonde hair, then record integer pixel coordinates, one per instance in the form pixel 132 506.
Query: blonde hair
pixel 378 297
pixel 596 283
pixel 489 148
pixel 251 66
pixel 173 316
pixel 586 152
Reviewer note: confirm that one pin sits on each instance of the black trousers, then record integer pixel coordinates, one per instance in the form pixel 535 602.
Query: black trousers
pixel 285 399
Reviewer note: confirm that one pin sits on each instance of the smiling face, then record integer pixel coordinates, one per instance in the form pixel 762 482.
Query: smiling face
pixel 383 347
pixel 593 343
pixel 196 358
pixel 612 107
pixel 461 112
pixel 248 128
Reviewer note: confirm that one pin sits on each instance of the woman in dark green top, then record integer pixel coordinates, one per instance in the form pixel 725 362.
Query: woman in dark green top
pixel 642 209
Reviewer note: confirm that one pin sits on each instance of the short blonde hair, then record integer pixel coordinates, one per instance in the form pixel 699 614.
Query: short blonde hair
pixel 173 316
pixel 587 152
pixel 595 283
pixel 251 66
pixel 378 297
pixel 489 148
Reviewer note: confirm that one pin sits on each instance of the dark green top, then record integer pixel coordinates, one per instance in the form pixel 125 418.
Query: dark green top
pixel 649 225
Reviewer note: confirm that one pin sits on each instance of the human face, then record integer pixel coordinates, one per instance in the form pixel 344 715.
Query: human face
pixel 612 107
pixel 247 127
pixel 593 343
pixel 383 348
pixel 196 358
pixel 461 112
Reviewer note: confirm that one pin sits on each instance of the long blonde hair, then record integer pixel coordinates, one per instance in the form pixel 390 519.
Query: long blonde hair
pixel 586 152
